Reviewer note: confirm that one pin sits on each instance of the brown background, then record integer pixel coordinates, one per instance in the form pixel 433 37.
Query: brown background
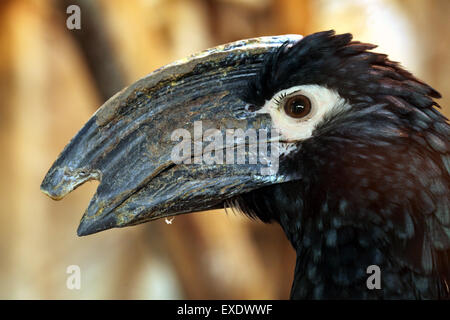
pixel 53 79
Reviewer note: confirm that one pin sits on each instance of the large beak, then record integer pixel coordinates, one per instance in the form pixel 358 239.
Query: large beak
pixel 145 147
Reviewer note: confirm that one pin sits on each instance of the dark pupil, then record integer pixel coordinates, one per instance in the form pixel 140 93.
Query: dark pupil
pixel 298 107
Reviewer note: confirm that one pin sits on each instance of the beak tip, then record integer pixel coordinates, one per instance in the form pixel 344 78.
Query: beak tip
pixel 90 226
pixel 47 192
pixel 55 184
pixel 81 232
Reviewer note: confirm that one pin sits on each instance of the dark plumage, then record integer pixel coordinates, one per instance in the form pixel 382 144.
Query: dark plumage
pixel 375 178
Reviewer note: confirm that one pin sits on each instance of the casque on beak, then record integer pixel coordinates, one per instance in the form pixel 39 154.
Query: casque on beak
pixel 128 144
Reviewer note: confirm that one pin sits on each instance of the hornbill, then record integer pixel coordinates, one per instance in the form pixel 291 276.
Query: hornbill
pixel 363 167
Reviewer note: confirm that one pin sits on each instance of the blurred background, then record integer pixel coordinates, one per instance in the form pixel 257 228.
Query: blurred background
pixel 53 79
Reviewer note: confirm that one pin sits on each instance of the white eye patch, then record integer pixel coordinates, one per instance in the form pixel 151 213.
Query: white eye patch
pixel 323 101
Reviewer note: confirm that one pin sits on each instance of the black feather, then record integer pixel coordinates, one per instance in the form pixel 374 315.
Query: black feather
pixel 375 181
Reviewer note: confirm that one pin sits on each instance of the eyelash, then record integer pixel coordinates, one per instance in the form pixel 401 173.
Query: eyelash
pixel 280 98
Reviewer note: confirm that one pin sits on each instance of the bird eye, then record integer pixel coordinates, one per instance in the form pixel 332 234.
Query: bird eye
pixel 298 106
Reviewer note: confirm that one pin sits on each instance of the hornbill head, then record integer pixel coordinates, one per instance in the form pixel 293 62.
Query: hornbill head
pixel 340 145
